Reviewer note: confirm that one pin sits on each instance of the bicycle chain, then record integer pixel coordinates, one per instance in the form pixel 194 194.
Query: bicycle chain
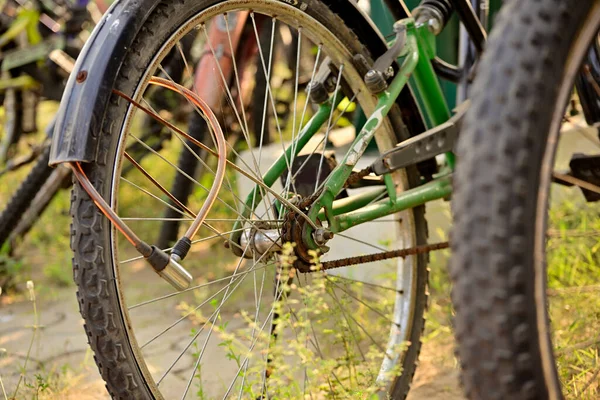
pixel 385 255
pixel 286 233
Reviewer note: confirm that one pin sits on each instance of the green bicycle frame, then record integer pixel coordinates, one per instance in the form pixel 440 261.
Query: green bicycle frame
pixel 343 214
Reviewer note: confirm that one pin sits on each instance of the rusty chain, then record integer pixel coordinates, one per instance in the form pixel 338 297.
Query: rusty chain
pixel 385 255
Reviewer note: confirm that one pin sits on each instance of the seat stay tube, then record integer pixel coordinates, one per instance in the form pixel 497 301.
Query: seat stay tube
pixel 428 86
pixel 335 182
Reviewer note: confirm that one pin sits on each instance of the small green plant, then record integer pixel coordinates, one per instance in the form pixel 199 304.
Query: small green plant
pixel 198 375
pixel 38 386
pixel 35 328
pixel 310 341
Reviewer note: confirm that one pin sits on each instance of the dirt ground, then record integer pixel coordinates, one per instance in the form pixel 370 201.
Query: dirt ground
pixel 61 356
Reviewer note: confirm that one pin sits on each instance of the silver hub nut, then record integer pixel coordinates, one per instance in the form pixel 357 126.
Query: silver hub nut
pixel 322 235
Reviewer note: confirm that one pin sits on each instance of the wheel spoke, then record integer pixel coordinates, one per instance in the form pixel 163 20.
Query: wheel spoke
pixel 578 346
pixel 232 103
pixel 361 242
pixel 191 179
pixel 553 233
pixel 347 325
pixel 321 141
pixel 257 300
pixel 291 178
pixel 237 78
pixel 364 283
pixel 563 291
pixel 168 296
pixel 156 219
pixel 577 182
pixel 269 92
pixel 370 307
pixel 215 314
pixel 253 344
pixel 185 316
pixel 158 185
pixel 248 175
pixel 365 331
pixel 141 189
pixel 199 158
pixel 317 346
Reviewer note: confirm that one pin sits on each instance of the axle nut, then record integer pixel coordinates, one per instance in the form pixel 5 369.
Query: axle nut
pixel 321 236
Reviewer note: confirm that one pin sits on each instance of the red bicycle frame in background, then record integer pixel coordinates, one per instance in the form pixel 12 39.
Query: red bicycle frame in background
pixel 223 37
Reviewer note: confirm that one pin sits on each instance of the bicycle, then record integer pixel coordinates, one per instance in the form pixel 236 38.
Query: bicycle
pixel 364 327
pixel 524 262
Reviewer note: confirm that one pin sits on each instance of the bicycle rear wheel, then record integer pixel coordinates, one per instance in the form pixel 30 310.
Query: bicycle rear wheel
pixel 524 267
pixel 250 326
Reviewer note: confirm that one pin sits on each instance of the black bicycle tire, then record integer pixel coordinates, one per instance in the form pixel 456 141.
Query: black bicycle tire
pixel 23 196
pixel 497 183
pixel 90 230
pixel 37 207
pixel 13 119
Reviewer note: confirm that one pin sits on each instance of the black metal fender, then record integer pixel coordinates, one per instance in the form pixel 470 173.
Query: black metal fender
pixel 89 87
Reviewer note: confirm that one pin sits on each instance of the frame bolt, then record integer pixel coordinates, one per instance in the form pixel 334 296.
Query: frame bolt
pixel 375 81
pixel 81 76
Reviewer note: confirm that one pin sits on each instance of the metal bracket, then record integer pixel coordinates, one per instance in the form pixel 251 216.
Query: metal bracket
pixel 376 77
pixel 424 146
pixel 323 83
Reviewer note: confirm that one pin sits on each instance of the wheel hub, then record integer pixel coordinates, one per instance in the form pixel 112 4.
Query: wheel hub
pixel 260 239
pixel 293 231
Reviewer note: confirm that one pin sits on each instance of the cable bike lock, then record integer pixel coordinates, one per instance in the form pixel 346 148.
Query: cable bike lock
pixel 168 267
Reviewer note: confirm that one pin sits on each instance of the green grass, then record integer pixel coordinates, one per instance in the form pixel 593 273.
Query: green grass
pixel 574 293
pixel 49 237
